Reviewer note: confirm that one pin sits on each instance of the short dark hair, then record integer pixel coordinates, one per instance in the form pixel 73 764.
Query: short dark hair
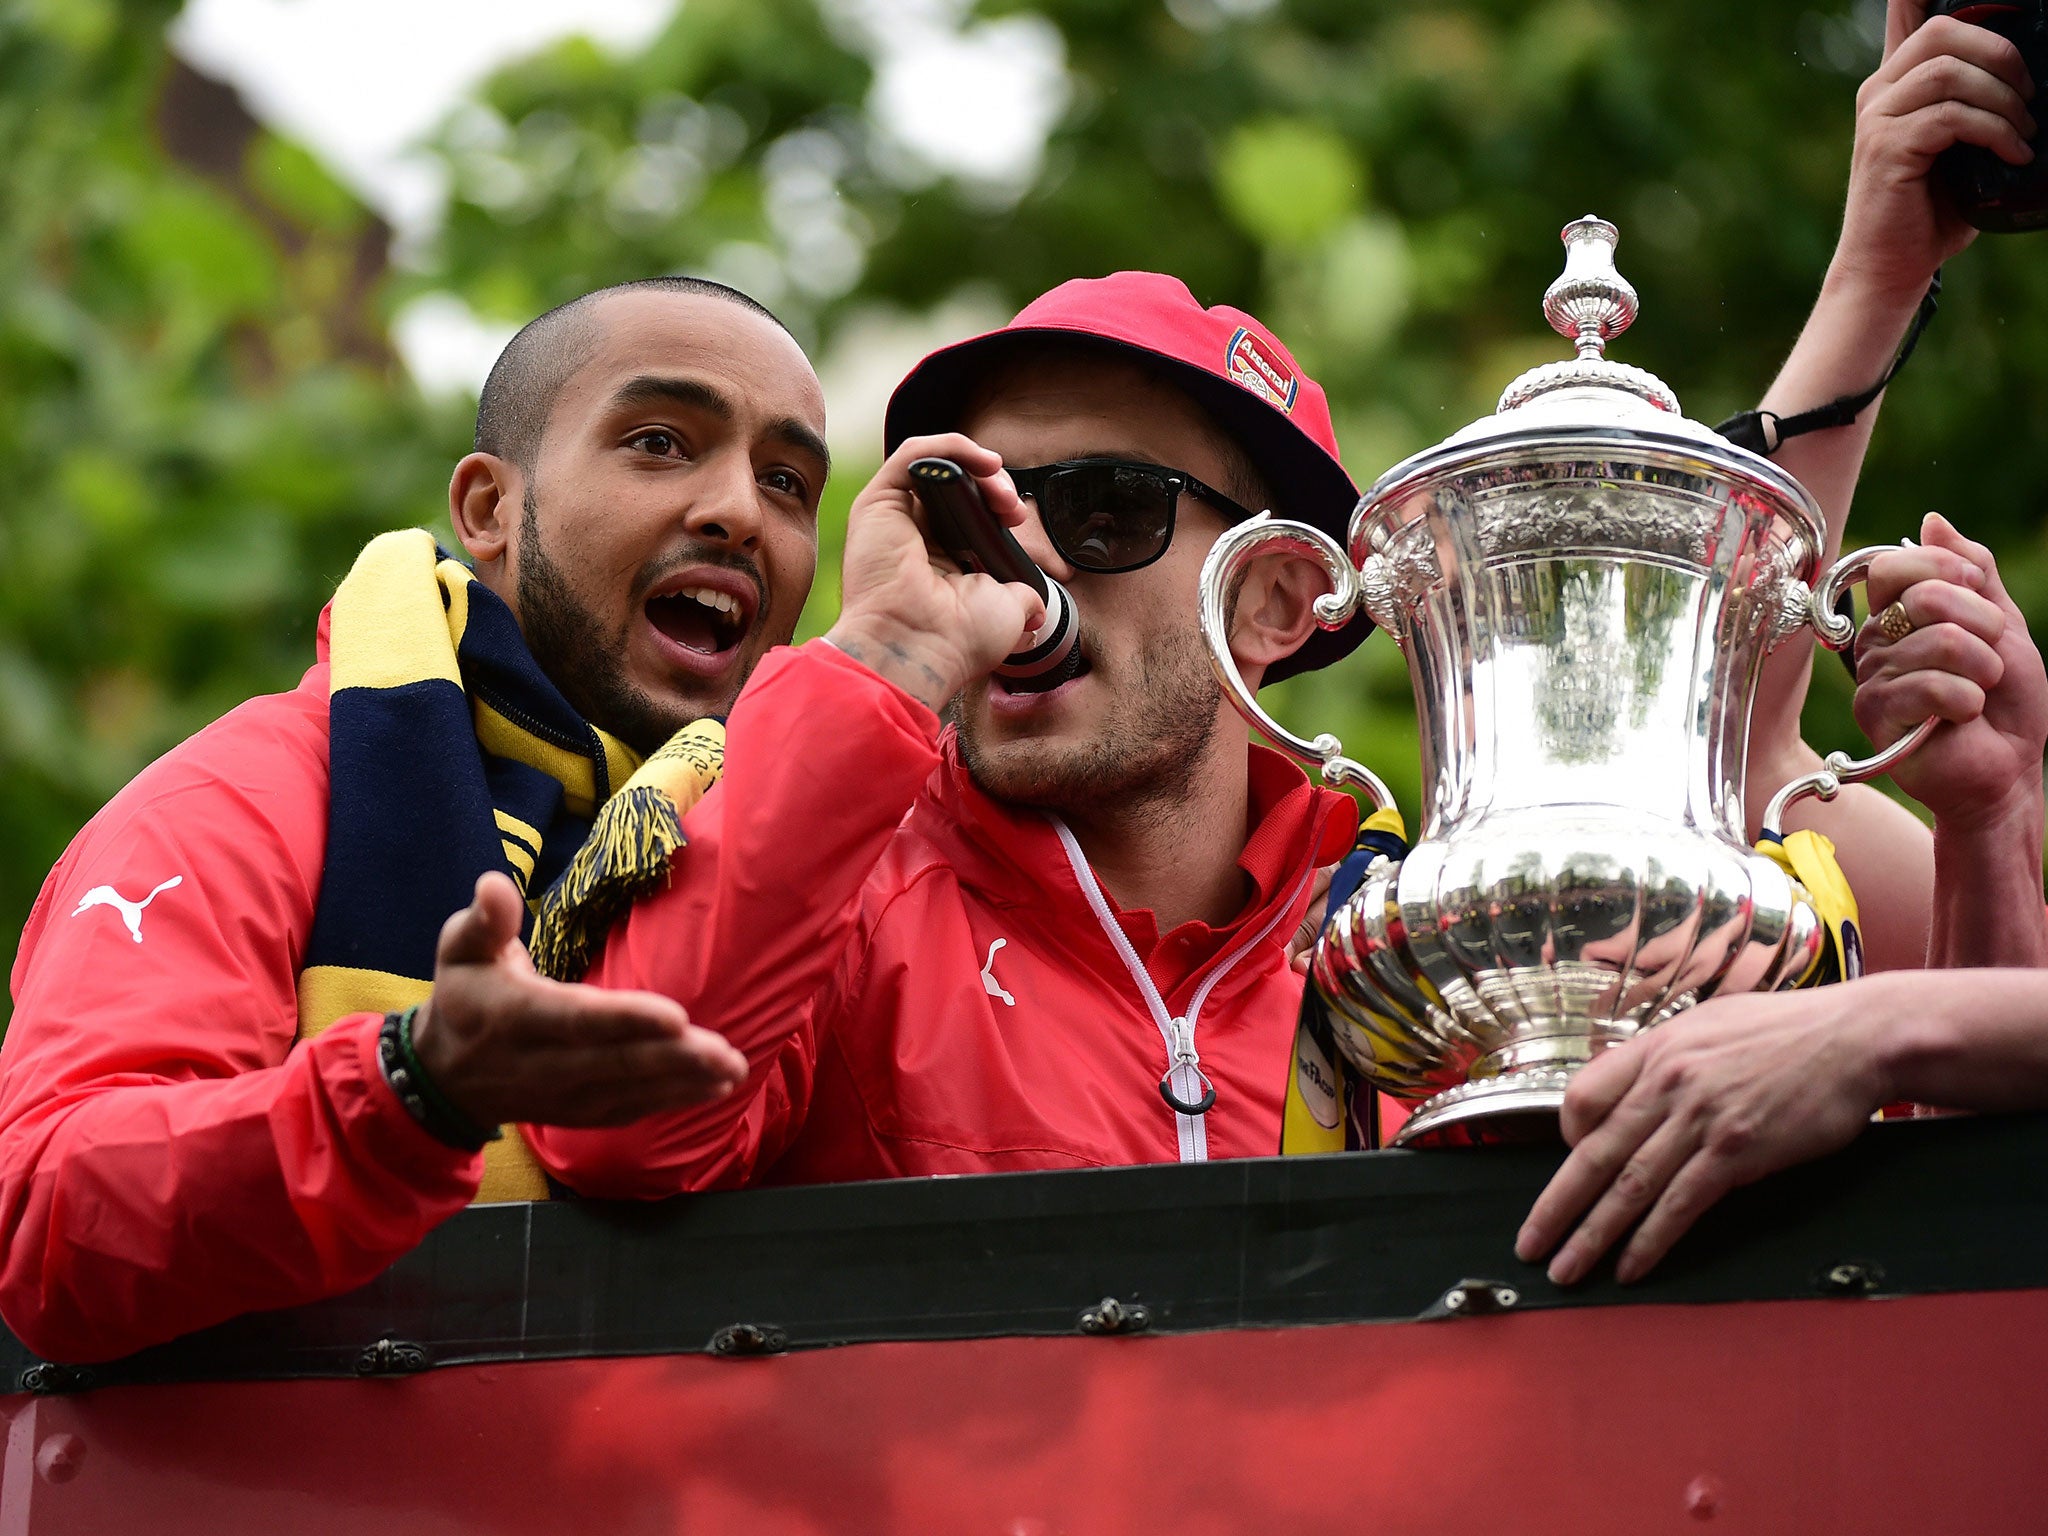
pixel 519 395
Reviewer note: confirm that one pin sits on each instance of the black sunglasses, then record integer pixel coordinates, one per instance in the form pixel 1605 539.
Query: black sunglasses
pixel 1111 515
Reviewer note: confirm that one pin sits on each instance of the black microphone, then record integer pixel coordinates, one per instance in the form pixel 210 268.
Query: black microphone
pixel 963 529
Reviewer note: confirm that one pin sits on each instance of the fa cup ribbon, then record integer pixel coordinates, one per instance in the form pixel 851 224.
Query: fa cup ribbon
pixel 1810 859
pixel 1321 1115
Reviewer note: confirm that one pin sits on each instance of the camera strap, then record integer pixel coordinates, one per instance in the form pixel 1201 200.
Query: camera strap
pixel 1763 431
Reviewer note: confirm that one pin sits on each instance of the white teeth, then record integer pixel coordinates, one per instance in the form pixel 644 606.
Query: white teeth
pixel 718 602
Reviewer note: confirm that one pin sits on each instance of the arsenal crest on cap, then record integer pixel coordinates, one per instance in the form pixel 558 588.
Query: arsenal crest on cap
pixel 1251 364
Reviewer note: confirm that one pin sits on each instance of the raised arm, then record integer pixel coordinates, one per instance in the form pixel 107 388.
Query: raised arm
pixel 1939 83
pixel 825 752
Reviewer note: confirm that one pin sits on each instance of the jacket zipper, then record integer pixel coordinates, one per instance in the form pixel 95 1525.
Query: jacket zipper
pixel 1184 1062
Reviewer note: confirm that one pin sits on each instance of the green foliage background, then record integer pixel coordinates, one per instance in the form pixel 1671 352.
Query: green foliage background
pixel 189 457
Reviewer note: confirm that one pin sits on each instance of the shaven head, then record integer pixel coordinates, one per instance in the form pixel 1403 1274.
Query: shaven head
pixel 645 496
pixel 512 412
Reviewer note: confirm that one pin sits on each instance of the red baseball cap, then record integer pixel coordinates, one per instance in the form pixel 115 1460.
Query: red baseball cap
pixel 1228 363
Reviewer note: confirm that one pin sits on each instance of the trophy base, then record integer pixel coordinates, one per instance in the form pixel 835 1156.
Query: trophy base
pixel 1515 1108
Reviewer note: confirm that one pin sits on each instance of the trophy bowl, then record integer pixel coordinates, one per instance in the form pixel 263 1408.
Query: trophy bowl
pixel 1584 586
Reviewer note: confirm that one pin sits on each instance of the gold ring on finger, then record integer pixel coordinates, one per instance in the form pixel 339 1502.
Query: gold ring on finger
pixel 1894 622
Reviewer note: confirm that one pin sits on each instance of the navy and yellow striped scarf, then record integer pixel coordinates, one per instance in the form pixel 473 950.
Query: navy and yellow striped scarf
pixel 450 754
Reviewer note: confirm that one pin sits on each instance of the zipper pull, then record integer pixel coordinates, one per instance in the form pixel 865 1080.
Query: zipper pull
pixel 1184 1055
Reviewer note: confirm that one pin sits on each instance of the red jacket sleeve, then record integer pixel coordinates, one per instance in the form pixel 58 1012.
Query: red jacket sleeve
pixel 822 762
pixel 168 1157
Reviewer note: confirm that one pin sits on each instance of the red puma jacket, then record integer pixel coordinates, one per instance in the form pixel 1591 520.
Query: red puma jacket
pixel 926 981
pixel 168 1156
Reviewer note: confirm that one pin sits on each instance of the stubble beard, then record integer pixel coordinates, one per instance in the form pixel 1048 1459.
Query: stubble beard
pixel 587 664
pixel 1144 761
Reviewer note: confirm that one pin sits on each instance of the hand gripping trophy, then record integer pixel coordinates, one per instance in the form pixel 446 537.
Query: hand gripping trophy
pixel 1584 586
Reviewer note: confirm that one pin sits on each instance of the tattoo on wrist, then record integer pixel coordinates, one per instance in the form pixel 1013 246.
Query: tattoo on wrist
pixel 900 654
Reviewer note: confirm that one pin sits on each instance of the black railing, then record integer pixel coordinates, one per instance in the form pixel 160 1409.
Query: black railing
pixel 1913 1207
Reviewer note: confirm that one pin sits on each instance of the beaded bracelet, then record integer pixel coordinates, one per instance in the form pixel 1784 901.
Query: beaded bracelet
pixel 417 1092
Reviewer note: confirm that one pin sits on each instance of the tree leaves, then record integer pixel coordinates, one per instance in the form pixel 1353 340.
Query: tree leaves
pixel 204 422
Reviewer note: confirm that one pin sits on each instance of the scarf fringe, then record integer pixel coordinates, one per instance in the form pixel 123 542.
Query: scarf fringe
pixel 626 857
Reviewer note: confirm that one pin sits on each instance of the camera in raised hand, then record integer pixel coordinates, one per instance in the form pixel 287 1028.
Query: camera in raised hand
pixel 1988 190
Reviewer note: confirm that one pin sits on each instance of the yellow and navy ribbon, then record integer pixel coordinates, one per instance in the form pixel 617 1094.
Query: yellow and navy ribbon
pixel 1809 859
pixel 1327 1109
pixel 627 853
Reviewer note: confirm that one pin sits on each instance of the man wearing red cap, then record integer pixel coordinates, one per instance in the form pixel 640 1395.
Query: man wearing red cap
pixel 1055 935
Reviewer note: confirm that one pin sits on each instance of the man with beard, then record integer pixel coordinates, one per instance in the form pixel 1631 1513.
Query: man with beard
pixel 1055 936
pixel 215 1096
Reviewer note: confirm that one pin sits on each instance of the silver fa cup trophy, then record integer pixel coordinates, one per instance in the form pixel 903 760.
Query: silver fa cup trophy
pixel 1585 586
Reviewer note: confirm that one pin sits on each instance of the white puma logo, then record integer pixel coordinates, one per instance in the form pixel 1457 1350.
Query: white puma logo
pixel 989 983
pixel 131 911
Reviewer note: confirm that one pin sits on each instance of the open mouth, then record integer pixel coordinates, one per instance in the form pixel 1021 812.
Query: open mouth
pixel 704 619
pixel 1077 666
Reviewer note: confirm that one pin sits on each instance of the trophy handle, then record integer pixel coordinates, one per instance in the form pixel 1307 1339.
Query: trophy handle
pixel 1837 634
pixel 1238 547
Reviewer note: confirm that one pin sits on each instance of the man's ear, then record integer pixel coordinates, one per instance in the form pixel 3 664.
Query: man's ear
pixel 1275 610
pixel 484 500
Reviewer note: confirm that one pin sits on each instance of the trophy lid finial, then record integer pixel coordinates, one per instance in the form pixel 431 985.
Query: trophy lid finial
pixel 1592 302
pixel 1588 407
pixel 1589 305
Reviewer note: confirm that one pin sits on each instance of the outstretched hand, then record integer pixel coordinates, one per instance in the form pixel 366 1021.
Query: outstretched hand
pixel 504 1043
pixel 1666 1124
